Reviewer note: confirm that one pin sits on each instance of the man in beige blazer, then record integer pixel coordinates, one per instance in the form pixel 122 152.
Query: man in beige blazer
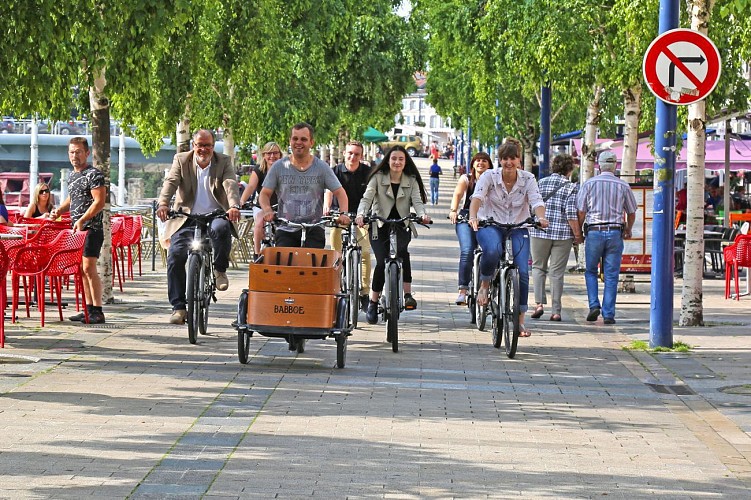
pixel 201 181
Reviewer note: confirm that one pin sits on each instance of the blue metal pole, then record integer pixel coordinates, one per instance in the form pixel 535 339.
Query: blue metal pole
pixel 461 152
pixel 544 168
pixel 456 153
pixel 469 142
pixel 663 236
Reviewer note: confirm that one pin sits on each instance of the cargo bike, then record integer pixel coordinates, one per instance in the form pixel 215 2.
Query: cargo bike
pixel 294 294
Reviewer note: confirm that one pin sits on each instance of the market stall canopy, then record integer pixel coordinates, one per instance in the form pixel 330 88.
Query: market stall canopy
pixel 373 135
pixel 714 159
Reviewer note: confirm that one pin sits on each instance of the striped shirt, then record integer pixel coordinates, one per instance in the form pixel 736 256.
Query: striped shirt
pixel 503 206
pixel 605 198
pixel 559 208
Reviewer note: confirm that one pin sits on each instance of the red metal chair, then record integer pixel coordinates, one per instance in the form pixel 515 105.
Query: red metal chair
pixel 117 227
pixel 30 262
pixel 66 261
pixel 4 264
pixel 22 230
pixel 736 256
pixel 135 241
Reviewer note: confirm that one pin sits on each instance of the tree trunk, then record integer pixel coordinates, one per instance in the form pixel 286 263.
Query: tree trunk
pixel 528 142
pixel 100 139
pixel 692 309
pixel 632 112
pixel 589 144
pixel 183 131
pixel 228 138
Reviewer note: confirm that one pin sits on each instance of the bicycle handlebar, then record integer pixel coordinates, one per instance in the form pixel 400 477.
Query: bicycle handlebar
pixel 201 218
pixel 326 220
pixel 529 222
pixel 412 217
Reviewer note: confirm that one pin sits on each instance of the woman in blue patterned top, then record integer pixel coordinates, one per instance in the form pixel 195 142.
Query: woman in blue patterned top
pixel 551 248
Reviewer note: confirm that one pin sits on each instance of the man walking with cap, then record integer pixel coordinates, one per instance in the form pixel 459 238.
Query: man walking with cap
pixel 607 210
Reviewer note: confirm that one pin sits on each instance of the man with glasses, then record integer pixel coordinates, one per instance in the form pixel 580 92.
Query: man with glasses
pixel 202 181
pixel 353 175
pixel 299 182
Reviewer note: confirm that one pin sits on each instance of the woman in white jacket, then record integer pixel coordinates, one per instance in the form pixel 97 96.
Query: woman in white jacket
pixel 394 188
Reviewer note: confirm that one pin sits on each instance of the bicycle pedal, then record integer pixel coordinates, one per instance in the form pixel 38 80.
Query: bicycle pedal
pixel 409 308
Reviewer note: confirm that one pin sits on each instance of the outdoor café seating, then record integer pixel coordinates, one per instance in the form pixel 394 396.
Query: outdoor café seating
pixel 737 256
pixel 35 262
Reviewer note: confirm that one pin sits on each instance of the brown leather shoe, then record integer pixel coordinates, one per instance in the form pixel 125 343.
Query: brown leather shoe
pixel 178 317
pixel 222 283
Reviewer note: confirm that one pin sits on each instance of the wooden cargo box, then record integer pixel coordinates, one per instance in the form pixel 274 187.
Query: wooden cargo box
pixel 293 310
pixel 297 270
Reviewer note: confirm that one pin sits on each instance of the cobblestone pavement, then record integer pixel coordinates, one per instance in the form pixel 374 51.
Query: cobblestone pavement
pixel 131 409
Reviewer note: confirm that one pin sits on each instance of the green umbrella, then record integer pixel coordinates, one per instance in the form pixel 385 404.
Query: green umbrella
pixel 373 135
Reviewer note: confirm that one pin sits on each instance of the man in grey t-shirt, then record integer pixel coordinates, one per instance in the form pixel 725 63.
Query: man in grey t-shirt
pixel 299 182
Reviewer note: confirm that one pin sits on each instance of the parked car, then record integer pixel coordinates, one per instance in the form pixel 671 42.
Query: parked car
pixel 412 143
pixel 7 125
pixel 62 128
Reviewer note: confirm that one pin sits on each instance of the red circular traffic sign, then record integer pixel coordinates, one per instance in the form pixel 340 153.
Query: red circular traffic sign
pixel 681 66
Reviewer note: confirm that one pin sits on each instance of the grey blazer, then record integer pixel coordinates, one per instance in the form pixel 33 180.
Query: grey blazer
pixel 182 182
pixel 379 197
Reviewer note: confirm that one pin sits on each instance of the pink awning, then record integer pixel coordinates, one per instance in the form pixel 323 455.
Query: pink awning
pixel 740 154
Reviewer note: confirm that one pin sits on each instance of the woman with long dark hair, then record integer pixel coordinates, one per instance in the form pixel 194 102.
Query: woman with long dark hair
pixel 394 187
pixel 465 186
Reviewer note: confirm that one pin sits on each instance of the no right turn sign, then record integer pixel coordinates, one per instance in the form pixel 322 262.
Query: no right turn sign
pixel 681 66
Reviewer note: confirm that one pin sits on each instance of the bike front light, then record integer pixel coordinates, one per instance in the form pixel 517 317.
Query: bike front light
pixel 195 245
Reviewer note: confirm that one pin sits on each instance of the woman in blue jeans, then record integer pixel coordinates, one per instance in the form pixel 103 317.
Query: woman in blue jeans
pixel 465 186
pixel 506 195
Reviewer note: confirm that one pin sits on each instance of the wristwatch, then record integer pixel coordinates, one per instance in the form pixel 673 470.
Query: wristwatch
pixel 235 206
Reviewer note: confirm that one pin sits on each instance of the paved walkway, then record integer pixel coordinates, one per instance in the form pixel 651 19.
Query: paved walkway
pixel 130 409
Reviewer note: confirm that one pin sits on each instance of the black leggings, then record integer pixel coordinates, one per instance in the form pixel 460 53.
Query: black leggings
pixel 380 248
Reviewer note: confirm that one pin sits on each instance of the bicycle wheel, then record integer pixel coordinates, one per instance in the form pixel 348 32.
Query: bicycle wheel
pixel 206 292
pixel 243 345
pixel 243 335
pixel 393 320
pixel 353 287
pixel 481 312
pixel 471 299
pixel 193 295
pixel 341 350
pixel 496 316
pixel 511 313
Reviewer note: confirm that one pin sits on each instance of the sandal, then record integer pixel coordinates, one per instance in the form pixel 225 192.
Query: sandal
pixel 524 332
pixel 555 317
pixel 539 311
pixel 482 297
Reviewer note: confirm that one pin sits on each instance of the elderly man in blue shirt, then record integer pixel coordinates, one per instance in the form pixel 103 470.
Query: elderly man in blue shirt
pixel 607 210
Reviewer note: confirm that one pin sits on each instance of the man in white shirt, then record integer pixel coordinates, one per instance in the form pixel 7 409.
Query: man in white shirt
pixel 202 181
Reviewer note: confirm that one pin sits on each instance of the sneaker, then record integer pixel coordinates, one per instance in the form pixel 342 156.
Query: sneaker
pixel 594 313
pixel 222 283
pixel 372 313
pixel 409 302
pixel 95 318
pixel 178 316
pixel 461 299
pixel 608 321
pixel 80 317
